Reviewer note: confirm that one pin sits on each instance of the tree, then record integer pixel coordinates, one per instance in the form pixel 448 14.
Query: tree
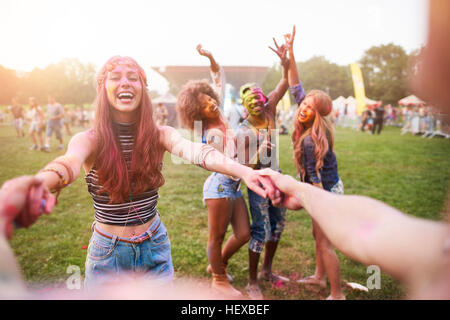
pixel 385 72
pixel 70 81
pixel 316 73
pixel 319 73
pixel 9 83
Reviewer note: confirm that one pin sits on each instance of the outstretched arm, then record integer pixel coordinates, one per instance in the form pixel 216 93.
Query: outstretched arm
pixel 65 169
pixel 210 159
pixel 370 231
pixel 277 94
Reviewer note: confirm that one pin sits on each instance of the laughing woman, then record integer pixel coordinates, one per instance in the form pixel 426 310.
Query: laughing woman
pixel 199 101
pixel 122 158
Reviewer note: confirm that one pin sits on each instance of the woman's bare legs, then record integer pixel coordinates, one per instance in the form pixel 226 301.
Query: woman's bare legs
pixel 219 214
pixel 326 262
pixel 241 230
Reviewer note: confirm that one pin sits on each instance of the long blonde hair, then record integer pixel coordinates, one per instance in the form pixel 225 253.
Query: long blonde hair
pixel 321 132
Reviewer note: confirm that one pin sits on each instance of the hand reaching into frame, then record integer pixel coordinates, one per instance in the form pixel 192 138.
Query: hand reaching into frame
pixel 23 200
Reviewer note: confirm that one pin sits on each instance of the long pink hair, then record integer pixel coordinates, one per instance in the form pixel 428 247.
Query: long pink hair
pixel 321 132
pixel 145 167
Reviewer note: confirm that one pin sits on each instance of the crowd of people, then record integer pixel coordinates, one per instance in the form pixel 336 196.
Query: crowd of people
pixel 122 156
pixel 417 119
pixel 42 122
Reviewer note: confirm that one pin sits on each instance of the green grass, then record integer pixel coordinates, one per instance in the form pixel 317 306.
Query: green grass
pixel 407 172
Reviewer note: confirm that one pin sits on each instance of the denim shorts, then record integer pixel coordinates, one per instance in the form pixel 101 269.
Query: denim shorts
pixel 54 126
pixel 338 188
pixel 108 258
pixel 267 221
pixel 219 186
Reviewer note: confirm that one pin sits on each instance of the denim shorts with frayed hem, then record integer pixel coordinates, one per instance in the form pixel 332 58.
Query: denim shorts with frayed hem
pixel 219 186
pixel 108 258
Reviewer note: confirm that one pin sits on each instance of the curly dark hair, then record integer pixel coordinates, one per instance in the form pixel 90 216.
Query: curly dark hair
pixel 188 106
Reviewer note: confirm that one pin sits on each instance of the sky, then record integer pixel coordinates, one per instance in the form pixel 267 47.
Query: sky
pixel 36 33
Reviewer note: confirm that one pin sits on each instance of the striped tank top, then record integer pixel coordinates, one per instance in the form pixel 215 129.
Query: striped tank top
pixel 137 210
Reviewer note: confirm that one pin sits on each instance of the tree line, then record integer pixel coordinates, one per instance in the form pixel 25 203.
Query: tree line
pixel 385 69
pixel 69 81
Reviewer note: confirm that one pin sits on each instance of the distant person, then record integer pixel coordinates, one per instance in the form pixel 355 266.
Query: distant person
pixel 161 115
pixel 17 112
pixel 54 123
pixel 234 113
pixel 37 125
pixel 66 120
pixel 378 119
pixel 79 117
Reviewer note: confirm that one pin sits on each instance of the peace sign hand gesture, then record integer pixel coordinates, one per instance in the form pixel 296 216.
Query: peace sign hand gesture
pixel 281 53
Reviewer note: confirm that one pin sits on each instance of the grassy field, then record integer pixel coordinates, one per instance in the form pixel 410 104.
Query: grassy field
pixel 407 172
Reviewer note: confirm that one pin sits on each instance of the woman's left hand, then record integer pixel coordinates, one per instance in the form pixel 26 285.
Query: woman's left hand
pixel 281 52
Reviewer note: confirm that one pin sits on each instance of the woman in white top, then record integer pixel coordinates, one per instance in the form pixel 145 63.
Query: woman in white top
pixel 37 123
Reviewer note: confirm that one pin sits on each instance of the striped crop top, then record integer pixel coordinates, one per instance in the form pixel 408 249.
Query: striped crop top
pixel 140 208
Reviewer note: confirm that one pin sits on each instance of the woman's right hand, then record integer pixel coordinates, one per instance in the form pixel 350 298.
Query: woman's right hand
pixel 287 185
pixel 289 39
pixel 203 52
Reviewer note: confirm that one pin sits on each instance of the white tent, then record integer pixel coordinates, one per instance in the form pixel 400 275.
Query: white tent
pixel 339 104
pixel 411 100
pixel 370 102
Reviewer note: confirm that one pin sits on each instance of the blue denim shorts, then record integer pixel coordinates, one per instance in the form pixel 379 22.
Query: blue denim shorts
pixel 53 126
pixel 108 258
pixel 267 222
pixel 219 186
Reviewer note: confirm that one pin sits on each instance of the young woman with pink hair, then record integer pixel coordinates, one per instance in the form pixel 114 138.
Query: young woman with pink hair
pixel 122 158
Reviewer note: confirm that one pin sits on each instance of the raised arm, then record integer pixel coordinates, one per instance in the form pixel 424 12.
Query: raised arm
pixel 217 73
pixel 214 65
pixel 295 87
pixel 277 94
pixel 207 157
pixel 370 231
pixel 293 77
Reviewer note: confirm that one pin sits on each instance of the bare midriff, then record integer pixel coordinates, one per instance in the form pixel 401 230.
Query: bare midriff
pixel 125 231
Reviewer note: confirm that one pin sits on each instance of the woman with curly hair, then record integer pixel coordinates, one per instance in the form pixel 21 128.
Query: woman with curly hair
pixel 198 110
pixel 313 141
pixel 122 158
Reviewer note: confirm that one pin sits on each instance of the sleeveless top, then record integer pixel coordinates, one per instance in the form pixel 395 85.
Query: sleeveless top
pixel 270 160
pixel 136 210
